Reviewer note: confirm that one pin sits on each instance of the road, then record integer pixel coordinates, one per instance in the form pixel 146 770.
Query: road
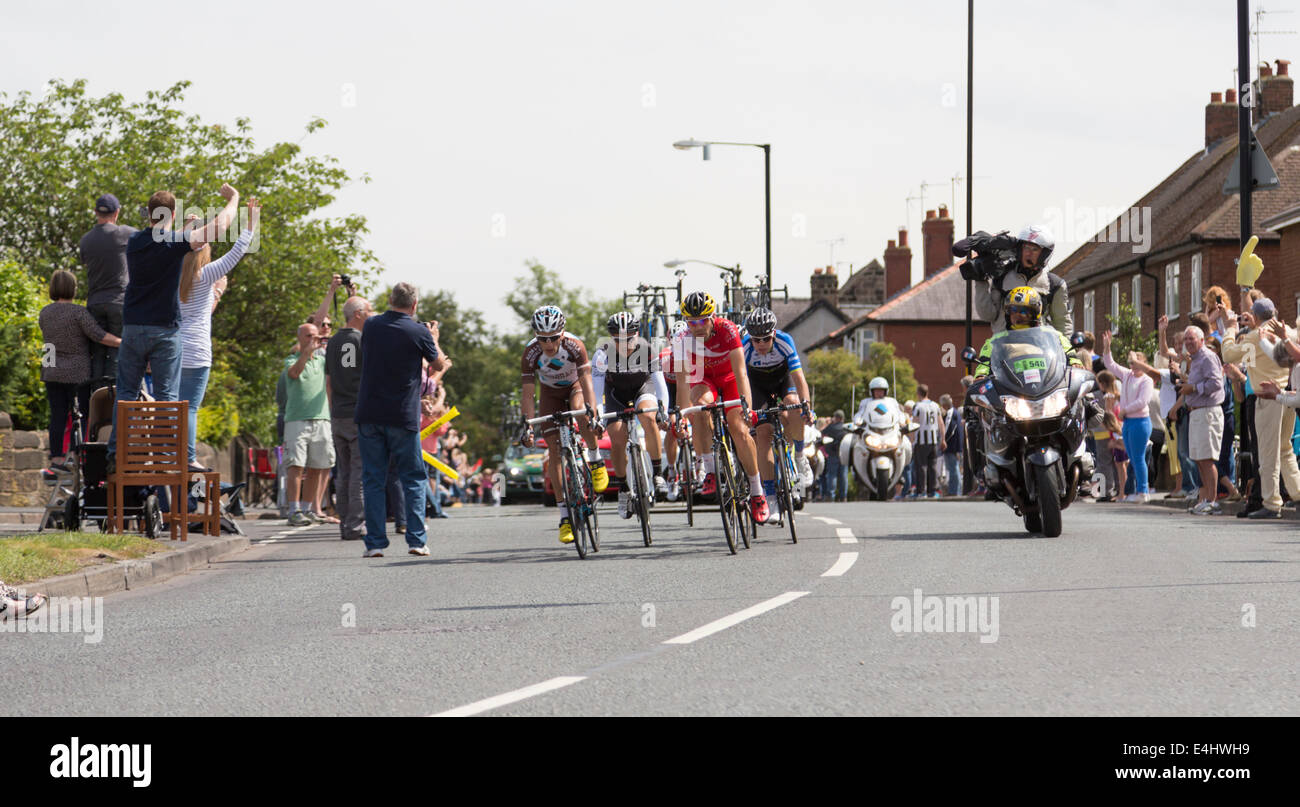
pixel 1135 610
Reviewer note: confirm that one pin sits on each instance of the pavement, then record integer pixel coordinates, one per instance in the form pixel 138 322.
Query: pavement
pixel 1135 610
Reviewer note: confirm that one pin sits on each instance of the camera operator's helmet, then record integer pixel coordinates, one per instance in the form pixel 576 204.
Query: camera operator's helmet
pixel 878 383
pixel 548 319
pixel 1041 237
pixel 1024 300
pixel 623 322
pixel 760 322
pixel 698 304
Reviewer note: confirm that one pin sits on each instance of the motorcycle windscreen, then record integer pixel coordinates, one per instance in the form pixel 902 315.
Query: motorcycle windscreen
pixel 1028 362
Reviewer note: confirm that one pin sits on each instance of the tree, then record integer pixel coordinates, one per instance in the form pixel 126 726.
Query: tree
pixel 1129 336
pixel 585 314
pixel 897 370
pixel 832 377
pixel 58 153
pixel 21 392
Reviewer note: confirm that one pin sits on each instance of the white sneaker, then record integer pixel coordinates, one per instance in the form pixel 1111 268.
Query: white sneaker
pixel 805 470
pixel 373 553
pixel 1141 498
pixel 773 509
pixel 661 487
pixel 623 511
pixel 674 490
pixel 418 550
pixel 1202 509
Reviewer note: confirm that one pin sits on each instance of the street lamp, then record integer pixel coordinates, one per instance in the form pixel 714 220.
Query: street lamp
pixel 686 145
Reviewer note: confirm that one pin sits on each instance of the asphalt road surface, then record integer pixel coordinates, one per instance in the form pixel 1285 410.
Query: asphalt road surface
pixel 1134 610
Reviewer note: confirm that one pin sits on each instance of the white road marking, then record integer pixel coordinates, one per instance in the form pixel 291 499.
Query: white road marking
pixel 487 704
pixel 846 561
pixel 846 535
pixel 736 618
pixel 825 520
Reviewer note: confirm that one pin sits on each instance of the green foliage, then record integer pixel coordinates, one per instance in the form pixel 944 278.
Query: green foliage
pixel 1129 336
pixel 897 370
pixel 585 314
pixel 839 379
pixel 219 418
pixel 59 152
pixel 21 393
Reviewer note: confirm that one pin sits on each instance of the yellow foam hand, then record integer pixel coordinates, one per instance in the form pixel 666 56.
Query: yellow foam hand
pixel 1249 266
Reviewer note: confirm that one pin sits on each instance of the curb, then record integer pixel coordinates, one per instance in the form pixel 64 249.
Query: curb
pixel 128 575
pixel 1229 508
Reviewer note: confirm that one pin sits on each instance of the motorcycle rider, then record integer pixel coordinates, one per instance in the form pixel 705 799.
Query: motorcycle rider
pixel 878 389
pixel 1033 250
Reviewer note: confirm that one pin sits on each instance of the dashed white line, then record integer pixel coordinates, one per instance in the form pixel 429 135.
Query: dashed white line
pixel 736 618
pixel 826 520
pixel 846 561
pixel 846 535
pixel 496 701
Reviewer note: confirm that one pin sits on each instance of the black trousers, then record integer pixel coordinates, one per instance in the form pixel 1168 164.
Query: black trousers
pixel 103 359
pixel 61 397
pixel 1249 455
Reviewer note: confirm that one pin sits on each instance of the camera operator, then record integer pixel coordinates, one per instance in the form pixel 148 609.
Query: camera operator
pixel 1004 262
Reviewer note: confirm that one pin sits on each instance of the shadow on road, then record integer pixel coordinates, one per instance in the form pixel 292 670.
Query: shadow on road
pixel 957 536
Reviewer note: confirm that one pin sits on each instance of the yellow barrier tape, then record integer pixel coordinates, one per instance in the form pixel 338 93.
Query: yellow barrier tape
pixel 432 460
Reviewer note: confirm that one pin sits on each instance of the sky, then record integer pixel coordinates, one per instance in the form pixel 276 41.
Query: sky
pixel 496 133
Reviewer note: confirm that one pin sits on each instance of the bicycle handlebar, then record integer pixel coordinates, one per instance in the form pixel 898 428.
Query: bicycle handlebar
pixel 557 416
pixel 703 407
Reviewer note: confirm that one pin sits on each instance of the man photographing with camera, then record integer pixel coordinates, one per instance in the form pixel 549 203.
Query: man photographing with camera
pixel 1004 262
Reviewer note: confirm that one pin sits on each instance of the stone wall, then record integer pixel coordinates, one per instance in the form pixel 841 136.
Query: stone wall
pixel 22 456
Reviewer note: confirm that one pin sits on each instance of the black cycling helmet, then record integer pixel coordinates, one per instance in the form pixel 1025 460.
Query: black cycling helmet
pixel 623 322
pixel 698 304
pixel 760 322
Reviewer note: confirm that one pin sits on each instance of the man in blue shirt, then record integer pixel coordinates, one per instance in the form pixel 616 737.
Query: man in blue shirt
pixel 393 349
pixel 151 309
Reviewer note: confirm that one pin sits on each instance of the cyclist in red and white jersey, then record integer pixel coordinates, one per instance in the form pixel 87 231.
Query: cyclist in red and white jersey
pixel 710 367
pixel 558 360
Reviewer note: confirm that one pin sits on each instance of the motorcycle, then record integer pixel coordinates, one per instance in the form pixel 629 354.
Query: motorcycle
pixel 812 438
pixel 879 450
pixel 1032 412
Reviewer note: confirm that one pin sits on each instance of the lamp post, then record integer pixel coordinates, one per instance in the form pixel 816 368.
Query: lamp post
pixel 686 145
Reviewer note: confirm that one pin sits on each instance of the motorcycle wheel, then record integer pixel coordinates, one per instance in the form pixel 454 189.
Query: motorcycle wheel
pixel 1049 501
pixel 1033 523
pixel 882 486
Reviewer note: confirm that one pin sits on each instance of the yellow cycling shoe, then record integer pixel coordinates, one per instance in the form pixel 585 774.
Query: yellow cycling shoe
pixel 566 531
pixel 599 476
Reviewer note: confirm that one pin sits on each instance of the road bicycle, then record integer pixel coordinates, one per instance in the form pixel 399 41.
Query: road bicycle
pixel 782 461
pixel 686 476
pixel 579 492
pixel 738 524
pixel 640 483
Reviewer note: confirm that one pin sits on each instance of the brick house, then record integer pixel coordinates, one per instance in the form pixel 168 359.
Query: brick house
pixel 1195 227
pixel 830 306
pixel 926 323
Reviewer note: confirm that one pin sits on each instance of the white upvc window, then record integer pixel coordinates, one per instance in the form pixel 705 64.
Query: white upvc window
pixel 1136 298
pixel 1197 287
pixel 1114 307
pixel 1171 290
pixel 1090 311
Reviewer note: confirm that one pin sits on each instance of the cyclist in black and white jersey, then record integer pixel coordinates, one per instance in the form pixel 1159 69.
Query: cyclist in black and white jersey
pixel 625 372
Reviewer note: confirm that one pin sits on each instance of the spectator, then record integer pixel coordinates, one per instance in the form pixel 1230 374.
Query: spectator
pixel 835 485
pixel 1166 381
pixel 930 443
pixel 1203 393
pixel 388 414
pixel 103 251
pixel 309 446
pixel 15 604
pixel 151 311
pixel 907 481
pixel 1119 457
pixel 342 381
pixel 1178 413
pixel 69 331
pixel 952 440
pixel 1136 390
pixel 1219 320
pixel 1273 420
pixel 199 275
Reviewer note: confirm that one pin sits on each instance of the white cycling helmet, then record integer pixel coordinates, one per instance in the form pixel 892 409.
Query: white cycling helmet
pixel 679 327
pixel 1041 237
pixel 878 383
pixel 548 319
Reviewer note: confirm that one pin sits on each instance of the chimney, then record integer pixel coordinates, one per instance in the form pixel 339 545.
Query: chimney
pixel 1276 92
pixel 1220 118
pixel 898 265
pixel 936 240
pixel 825 285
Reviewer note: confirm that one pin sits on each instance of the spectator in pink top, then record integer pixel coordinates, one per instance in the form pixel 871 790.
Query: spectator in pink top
pixel 1135 394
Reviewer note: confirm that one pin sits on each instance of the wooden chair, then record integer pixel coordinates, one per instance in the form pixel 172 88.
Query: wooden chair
pixel 152 449
pixel 210 517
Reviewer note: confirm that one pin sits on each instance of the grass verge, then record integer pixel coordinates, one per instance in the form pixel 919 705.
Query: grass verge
pixel 24 558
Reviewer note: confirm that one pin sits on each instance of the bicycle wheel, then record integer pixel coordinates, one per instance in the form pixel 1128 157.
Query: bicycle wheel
pixel 784 489
pixel 592 498
pixel 686 478
pixel 638 482
pixel 731 525
pixel 748 526
pixel 576 502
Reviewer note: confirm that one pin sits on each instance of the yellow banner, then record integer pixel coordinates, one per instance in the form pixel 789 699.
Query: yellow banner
pixel 432 460
pixel 433 427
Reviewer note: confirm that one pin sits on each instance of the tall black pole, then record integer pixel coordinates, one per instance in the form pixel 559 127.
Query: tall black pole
pixel 767 214
pixel 1243 115
pixel 970 128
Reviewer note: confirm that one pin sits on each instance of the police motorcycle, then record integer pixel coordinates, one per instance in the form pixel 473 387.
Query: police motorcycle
pixel 879 449
pixel 1032 408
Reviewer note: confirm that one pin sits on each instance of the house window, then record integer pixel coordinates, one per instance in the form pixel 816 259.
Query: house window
pixel 1114 306
pixel 1136 298
pixel 1171 289
pixel 1090 311
pixel 1196 280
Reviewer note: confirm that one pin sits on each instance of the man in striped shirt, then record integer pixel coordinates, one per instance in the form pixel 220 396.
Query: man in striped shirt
pixel 930 443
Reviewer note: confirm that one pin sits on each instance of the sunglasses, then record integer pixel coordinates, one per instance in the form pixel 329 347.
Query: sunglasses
pixel 767 338
pixel 549 339
pixel 698 321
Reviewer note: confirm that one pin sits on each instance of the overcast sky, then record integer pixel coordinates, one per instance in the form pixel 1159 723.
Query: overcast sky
pixel 499 132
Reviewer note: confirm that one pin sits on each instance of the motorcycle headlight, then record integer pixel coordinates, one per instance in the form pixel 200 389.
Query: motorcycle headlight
pixel 1020 409
pixel 879 442
pixel 514 472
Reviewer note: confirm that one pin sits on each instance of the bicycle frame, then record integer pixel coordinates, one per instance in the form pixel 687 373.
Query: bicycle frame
pixel 575 479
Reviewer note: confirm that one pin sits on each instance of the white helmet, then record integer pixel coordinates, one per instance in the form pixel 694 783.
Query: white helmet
pixel 1039 236
pixel 548 319
pixel 879 383
pixel 679 327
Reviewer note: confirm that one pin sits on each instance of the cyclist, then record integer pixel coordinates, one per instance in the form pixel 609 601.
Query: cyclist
pixel 624 375
pixel 711 368
pixel 558 359
pixel 670 436
pixel 776 377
